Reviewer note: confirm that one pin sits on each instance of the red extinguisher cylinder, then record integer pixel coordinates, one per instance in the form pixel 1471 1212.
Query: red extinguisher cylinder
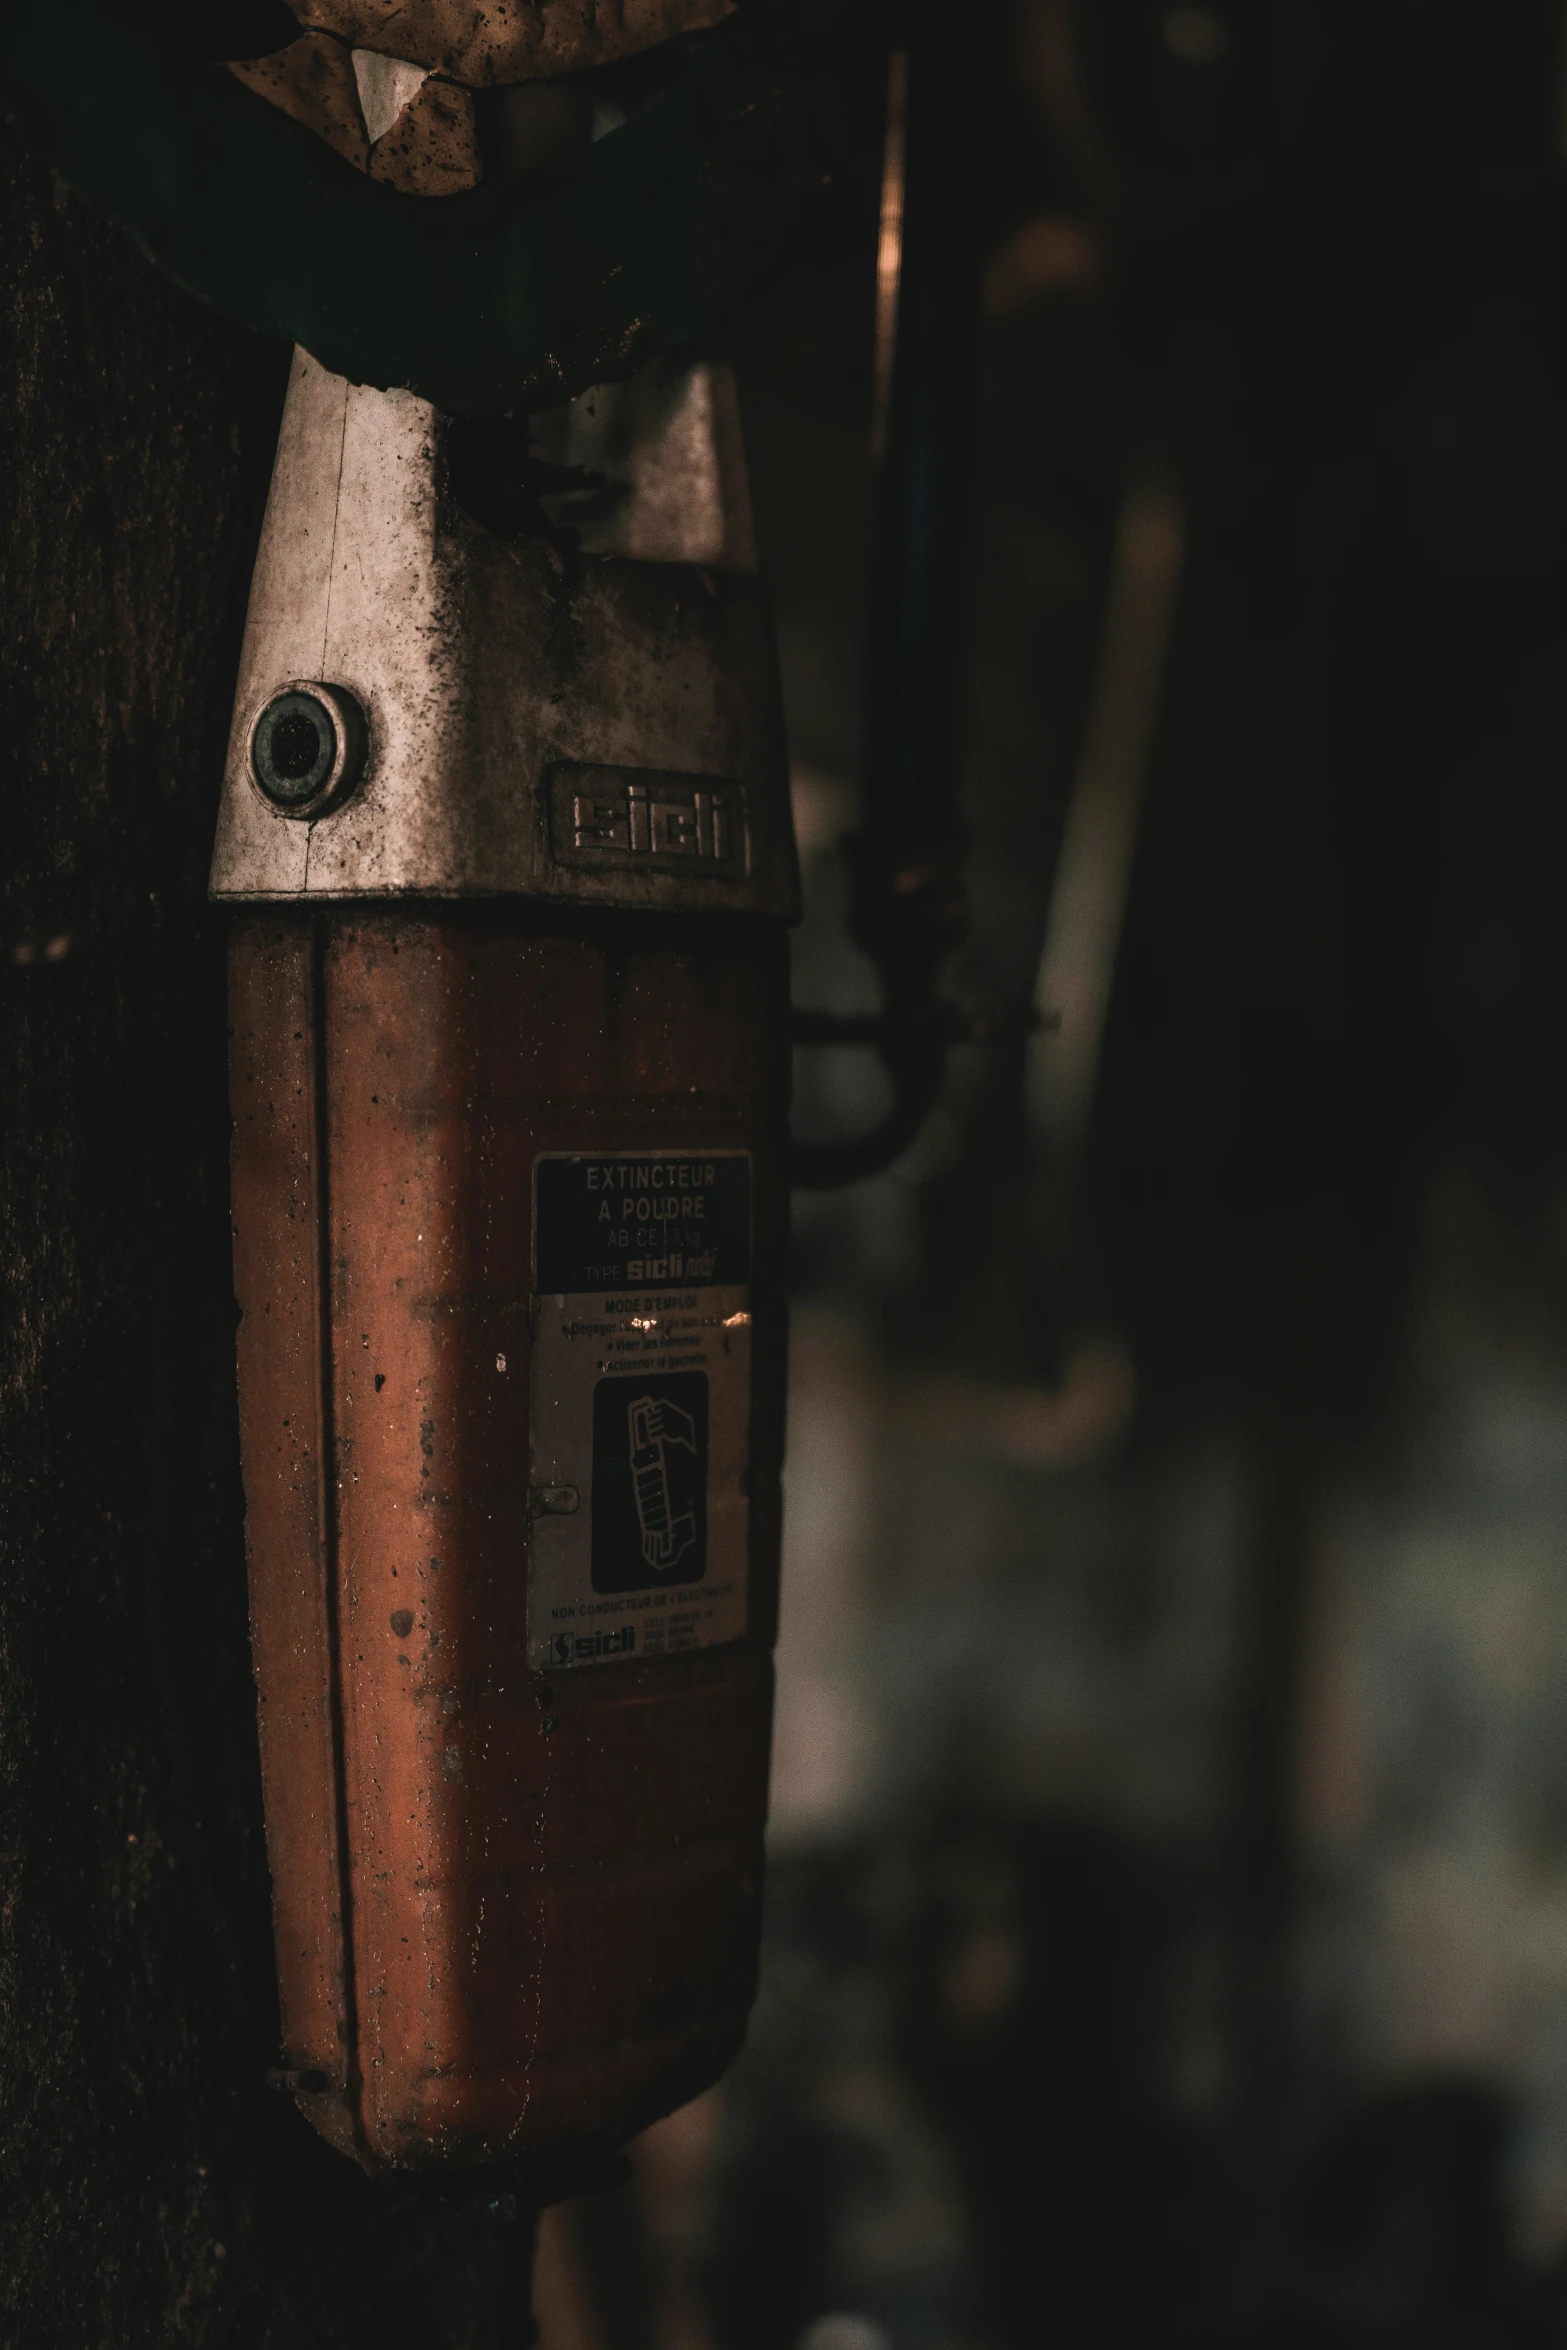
pixel 505 839
pixel 516 1863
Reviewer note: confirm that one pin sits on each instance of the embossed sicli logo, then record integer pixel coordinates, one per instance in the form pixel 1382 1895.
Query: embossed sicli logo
pixel 632 819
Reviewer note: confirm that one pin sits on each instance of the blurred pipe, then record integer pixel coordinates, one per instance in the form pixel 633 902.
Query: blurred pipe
pixel 1093 873
pixel 563 2308
pixel 674 2165
pixel 908 853
pixel 907 907
pixel 889 250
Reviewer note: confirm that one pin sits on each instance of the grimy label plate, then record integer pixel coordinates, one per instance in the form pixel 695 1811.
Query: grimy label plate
pixel 641 1404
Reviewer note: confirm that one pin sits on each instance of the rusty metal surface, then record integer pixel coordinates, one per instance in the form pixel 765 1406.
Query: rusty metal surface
pixel 386 117
pixel 551 1885
pixel 313 80
pixel 485 41
pixel 482 662
pixel 431 146
pixel 278 1267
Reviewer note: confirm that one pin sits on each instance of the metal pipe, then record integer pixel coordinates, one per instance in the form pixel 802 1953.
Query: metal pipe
pixel 907 907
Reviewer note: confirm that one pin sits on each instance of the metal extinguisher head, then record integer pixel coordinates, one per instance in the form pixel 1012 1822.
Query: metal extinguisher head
pixel 505 832
pixel 509 685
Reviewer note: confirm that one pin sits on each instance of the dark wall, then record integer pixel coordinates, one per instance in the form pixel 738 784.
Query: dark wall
pixel 152 2188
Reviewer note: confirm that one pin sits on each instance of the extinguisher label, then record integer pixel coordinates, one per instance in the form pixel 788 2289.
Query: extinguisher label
pixel 640 1404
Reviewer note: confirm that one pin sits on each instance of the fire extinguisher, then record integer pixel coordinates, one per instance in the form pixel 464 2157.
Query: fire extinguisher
pixel 505 835
pixel 505 841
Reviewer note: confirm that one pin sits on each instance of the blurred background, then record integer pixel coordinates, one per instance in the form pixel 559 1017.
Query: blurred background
pixel 1168 1925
